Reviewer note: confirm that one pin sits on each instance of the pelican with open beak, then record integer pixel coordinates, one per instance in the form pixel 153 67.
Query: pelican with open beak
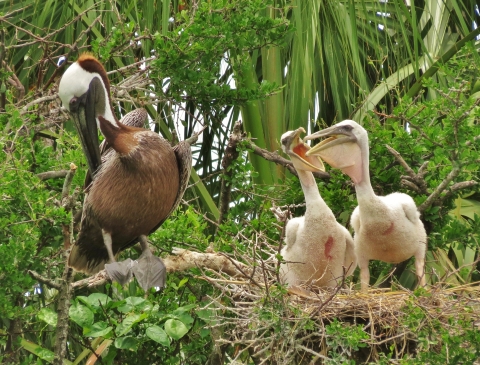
pixel 317 248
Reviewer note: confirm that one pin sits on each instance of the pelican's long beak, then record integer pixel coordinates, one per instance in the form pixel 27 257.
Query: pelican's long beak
pixel 298 150
pixel 336 135
pixel 340 150
pixel 82 110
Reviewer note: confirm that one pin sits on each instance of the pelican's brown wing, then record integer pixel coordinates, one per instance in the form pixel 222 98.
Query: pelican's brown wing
pixel 183 153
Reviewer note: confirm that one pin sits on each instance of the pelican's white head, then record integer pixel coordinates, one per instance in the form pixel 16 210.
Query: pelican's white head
pixel 346 148
pixel 297 150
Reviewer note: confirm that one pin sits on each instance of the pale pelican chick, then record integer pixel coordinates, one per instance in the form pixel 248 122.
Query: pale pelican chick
pixel 318 249
pixel 387 228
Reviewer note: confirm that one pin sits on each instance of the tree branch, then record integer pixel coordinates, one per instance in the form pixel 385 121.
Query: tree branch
pixel 48 282
pixel 440 188
pixel 52 174
pixel 229 156
pixel 459 186
pixel 415 181
pixel 65 292
pixel 183 260
pixel 279 160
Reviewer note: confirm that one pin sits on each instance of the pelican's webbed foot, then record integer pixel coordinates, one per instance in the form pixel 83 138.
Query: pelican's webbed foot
pixel 150 271
pixel 120 272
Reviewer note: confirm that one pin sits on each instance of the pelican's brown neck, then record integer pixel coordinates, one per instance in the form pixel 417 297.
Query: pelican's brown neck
pixel 121 138
pixel 90 64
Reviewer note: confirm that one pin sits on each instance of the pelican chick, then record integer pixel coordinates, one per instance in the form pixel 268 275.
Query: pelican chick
pixel 317 248
pixel 387 228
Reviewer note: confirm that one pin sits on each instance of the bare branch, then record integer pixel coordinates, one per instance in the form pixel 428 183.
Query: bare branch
pixel 440 188
pixel 419 185
pixel 37 101
pixel 279 160
pixel 459 186
pixel 48 282
pixel 183 260
pixel 52 174
pixel 15 82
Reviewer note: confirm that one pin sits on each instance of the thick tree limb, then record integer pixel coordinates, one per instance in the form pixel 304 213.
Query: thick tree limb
pixel 183 260
pixel 42 279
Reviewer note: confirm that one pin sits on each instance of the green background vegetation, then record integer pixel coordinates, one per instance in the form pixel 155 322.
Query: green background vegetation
pixel 277 66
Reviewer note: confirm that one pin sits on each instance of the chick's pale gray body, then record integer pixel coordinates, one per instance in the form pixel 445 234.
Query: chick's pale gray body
pixel 387 228
pixel 316 257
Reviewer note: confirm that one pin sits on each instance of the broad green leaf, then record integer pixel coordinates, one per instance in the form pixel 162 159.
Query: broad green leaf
pixel 98 329
pixel 208 315
pixel 204 332
pixel 48 316
pixel 81 315
pixel 127 324
pixel 40 351
pixel 157 334
pixel 98 299
pixel 126 343
pixel 185 308
pixel 135 303
pixel 175 328
pixel 182 282
pixel 186 318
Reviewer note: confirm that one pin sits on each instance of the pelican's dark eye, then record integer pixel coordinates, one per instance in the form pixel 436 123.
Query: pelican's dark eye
pixel 74 104
pixel 73 100
pixel 346 128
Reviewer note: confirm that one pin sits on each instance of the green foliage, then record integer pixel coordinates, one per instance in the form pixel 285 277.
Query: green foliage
pixel 441 340
pixel 118 35
pixel 344 339
pixel 30 222
pixel 291 65
pixel 189 57
pixel 155 327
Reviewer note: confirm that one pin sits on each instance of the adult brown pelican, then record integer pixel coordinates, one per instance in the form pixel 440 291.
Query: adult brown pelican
pixel 387 228
pixel 136 185
pixel 317 248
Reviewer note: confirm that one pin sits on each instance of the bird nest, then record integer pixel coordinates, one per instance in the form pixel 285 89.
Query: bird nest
pixel 271 324
pixel 256 315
